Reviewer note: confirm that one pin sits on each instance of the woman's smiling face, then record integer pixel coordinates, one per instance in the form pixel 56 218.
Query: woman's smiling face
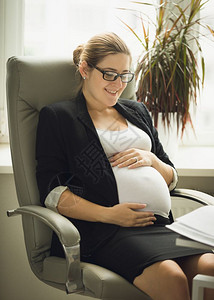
pixel 100 93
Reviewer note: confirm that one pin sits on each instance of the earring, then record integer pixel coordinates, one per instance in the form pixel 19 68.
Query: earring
pixel 84 77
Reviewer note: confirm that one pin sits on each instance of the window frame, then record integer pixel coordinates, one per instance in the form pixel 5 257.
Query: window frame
pixel 12 38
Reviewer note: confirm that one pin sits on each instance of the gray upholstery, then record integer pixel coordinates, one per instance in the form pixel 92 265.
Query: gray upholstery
pixel 31 84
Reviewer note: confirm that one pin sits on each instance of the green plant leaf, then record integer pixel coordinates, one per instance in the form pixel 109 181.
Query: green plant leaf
pixel 168 75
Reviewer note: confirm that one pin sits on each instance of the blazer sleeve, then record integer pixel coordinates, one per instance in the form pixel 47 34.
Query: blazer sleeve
pixel 52 166
pixel 159 151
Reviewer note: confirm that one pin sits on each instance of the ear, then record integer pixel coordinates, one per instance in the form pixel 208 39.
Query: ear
pixel 83 69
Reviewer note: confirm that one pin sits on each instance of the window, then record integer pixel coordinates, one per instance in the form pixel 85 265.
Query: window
pixel 52 28
pixel 55 28
pixel 11 33
pixel 203 117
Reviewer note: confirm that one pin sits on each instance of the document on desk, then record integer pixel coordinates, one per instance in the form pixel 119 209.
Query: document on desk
pixel 197 225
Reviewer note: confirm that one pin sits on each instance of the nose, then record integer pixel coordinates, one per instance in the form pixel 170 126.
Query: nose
pixel 118 82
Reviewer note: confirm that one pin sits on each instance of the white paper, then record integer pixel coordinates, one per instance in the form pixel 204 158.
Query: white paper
pixel 197 225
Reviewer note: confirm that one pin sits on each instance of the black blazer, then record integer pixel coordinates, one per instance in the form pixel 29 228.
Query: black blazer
pixel 69 152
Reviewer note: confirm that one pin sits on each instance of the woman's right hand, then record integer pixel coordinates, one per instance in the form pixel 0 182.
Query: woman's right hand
pixel 126 215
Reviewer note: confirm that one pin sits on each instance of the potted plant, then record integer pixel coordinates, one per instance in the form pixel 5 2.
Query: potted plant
pixel 168 74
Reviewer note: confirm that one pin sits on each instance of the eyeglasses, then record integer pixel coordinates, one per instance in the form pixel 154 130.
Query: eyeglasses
pixel 112 76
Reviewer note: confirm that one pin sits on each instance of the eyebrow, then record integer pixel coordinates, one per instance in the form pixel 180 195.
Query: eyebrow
pixel 114 70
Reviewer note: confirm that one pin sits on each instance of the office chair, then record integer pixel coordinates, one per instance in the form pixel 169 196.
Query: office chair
pixel 31 84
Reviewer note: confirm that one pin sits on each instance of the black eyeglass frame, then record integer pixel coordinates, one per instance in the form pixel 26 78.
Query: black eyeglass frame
pixel 116 76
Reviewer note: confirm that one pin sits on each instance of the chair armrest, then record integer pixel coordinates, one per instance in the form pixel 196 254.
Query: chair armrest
pixel 194 195
pixel 65 230
pixel 68 235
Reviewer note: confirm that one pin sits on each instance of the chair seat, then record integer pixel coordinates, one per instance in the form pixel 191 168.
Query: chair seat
pixel 99 282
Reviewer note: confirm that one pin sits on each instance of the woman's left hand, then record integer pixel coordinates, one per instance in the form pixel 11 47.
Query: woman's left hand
pixel 132 158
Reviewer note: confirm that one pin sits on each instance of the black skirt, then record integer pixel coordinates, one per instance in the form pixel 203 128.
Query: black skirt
pixel 131 250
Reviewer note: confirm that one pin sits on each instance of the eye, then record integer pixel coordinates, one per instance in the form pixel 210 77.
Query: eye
pixel 126 77
pixel 110 75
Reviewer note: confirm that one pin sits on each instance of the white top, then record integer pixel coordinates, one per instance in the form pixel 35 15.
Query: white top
pixel 143 184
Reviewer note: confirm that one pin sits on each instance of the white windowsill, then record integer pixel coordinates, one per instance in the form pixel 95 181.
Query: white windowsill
pixel 190 161
pixel 195 161
pixel 5 159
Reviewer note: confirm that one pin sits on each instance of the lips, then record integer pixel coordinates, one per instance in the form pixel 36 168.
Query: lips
pixel 111 92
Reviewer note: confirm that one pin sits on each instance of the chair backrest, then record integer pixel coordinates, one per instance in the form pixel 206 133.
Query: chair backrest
pixel 31 84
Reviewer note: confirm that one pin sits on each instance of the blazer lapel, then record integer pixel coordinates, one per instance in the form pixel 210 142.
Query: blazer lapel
pixel 128 112
pixel 82 112
pixel 106 183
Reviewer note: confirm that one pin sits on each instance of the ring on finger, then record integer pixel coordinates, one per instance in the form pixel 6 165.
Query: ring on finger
pixel 136 159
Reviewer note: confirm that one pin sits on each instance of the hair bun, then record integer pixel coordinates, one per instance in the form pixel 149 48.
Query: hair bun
pixel 77 54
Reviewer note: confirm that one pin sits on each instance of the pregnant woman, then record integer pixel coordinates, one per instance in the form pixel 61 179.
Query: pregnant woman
pixel 101 164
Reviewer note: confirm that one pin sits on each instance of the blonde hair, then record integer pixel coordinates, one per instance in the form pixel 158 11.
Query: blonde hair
pixel 97 48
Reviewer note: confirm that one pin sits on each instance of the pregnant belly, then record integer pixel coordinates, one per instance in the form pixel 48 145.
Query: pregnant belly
pixel 143 185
